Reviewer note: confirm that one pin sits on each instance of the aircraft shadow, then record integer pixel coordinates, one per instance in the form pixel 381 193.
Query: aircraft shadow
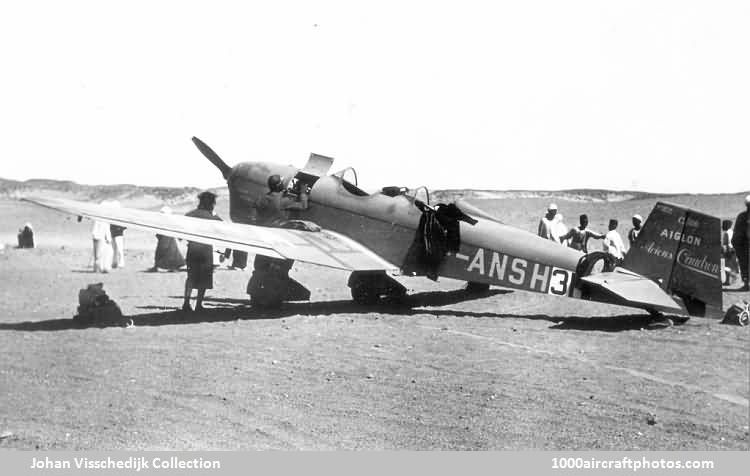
pixel 735 290
pixel 228 309
pixel 624 322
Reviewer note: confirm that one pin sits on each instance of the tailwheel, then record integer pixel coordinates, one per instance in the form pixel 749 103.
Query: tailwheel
pixel 738 314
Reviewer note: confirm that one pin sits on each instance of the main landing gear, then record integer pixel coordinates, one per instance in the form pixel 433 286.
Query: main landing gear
pixel 473 287
pixel 369 287
pixel 659 320
pixel 270 284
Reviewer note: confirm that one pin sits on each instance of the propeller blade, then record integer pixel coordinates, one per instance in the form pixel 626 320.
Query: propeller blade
pixel 213 157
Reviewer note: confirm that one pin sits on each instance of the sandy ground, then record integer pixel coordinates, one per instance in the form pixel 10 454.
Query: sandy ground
pixel 509 370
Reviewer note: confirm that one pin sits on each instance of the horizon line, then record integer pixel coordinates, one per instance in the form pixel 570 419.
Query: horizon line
pixel 452 189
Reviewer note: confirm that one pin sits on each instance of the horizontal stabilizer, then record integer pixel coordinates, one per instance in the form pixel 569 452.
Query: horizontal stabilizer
pixel 634 289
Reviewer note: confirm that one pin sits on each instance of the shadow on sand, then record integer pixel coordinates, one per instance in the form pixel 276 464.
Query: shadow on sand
pixel 227 309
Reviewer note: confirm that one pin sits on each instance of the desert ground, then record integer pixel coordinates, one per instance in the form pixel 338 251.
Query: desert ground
pixel 507 370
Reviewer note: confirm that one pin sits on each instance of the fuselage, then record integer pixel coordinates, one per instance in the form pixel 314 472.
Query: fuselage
pixel 491 252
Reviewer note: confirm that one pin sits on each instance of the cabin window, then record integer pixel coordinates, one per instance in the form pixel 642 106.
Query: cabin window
pixel 350 187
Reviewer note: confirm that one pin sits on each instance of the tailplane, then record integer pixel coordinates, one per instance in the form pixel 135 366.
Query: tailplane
pixel 680 249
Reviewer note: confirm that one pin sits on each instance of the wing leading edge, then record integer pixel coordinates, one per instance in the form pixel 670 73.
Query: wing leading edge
pixel 324 248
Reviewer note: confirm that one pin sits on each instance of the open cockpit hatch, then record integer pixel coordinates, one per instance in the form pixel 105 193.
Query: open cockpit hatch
pixel 317 166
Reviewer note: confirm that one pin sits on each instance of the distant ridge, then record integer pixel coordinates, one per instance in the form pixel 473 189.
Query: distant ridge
pixel 132 195
pixel 575 195
pixel 154 197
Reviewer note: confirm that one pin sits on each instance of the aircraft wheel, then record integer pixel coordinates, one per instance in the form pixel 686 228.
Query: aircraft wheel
pixel 364 294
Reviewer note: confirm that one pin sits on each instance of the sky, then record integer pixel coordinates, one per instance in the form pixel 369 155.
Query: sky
pixel 645 95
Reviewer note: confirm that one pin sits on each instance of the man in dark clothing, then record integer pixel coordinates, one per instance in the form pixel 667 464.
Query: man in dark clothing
pixel 633 233
pixel 271 208
pixel 268 207
pixel 438 233
pixel 26 236
pixel 741 243
pixel 239 259
pixel 199 257
pixel 270 283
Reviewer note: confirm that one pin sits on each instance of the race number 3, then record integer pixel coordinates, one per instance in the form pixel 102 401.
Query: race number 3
pixel 559 283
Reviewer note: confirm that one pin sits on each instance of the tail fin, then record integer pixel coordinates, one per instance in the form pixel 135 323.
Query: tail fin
pixel 681 250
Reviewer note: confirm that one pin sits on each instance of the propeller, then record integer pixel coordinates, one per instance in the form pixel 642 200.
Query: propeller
pixel 213 157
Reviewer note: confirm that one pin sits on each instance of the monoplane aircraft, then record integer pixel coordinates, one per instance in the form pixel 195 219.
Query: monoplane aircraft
pixel 673 267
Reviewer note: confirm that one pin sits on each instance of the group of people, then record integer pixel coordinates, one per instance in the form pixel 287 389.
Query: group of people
pixel 109 246
pixel 551 227
pixel 735 239
pixel 270 210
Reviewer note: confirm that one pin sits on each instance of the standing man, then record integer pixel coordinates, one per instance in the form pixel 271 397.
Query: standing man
pixel 633 233
pixel 579 237
pixel 559 228
pixel 728 256
pixel 613 242
pixel 118 246
pixel 741 242
pixel 102 247
pixel 547 224
pixel 199 257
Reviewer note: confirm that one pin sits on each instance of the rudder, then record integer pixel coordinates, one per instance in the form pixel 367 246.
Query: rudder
pixel 681 250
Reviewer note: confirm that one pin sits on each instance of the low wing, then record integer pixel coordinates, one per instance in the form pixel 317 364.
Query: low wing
pixel 325 248
pixel 634 288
